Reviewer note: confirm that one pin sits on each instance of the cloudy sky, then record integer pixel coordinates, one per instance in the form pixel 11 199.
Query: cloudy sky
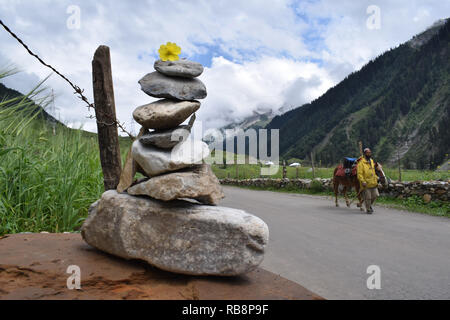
pixel 258 54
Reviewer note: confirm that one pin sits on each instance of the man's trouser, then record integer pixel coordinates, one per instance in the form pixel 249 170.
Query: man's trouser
pixel 370 195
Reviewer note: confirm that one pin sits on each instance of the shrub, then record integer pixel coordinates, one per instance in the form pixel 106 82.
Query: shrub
pixel 316 186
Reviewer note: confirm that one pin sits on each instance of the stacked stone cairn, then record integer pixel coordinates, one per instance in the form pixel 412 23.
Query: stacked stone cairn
pixel 170 218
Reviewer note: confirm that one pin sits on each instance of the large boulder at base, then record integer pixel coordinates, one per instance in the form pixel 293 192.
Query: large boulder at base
pixel 166 139
pixel 155 161
pixel 158 85
pixel 198 183
pixel 179 68
pixel 165 113
pixel 176 236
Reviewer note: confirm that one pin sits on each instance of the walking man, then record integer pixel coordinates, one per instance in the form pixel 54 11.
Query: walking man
pixel 368 179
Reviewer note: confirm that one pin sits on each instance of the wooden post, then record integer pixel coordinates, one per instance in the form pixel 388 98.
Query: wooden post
pixel 105 112
pixel 312 166
pixel 237 171
pixel 319 169
pixel 399 168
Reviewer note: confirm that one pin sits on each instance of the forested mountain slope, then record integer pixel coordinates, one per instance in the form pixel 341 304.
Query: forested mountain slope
pixel 7 93
pixel 397 103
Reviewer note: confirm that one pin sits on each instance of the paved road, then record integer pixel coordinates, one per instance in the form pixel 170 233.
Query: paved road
pixel 328 249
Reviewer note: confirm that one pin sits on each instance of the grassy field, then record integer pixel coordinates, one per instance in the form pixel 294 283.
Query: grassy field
pixel 248 171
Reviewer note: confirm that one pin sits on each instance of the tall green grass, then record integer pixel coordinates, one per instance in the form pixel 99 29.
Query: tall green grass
pixel 47 182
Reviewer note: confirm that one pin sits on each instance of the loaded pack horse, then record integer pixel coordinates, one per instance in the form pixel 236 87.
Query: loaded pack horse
pixel 345 175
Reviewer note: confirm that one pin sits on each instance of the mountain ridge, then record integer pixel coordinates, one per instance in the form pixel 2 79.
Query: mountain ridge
pixel 398 102
pixel 8 93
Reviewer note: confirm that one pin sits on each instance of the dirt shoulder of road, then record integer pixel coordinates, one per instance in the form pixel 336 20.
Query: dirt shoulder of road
pixel 34 266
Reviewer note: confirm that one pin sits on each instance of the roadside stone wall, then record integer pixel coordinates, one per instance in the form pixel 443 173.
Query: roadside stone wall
pixel 428 190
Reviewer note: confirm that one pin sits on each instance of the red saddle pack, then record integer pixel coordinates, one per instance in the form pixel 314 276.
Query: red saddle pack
pixel 341 171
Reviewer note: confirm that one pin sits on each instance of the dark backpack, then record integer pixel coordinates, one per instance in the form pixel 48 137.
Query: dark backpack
pixel 348 164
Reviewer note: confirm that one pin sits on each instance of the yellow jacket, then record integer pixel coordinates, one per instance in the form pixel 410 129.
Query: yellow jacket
pixel 366 173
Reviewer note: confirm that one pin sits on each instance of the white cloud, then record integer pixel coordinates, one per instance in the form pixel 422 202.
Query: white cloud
pixel 236 90
pixel 266 45
pixel 349 44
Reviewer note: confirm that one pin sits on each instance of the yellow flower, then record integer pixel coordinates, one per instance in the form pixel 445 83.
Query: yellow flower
pixel 169 51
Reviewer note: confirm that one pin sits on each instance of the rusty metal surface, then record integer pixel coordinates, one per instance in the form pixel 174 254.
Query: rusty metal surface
pixel 33 266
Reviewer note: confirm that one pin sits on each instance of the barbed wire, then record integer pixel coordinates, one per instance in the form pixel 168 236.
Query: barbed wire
pixel 77 89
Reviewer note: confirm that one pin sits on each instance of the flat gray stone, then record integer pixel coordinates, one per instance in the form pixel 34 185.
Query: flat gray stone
pixel 180 68
pixel 165 113
pixel 166 139
pixel 197 183
pixel 177 236
pixel 157 85
pixel 155 161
